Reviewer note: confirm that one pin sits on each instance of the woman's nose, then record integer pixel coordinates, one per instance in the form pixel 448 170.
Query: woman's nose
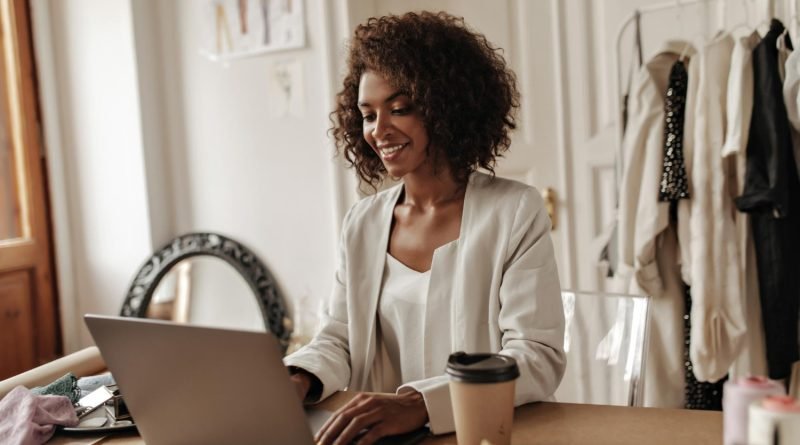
pixel 383 126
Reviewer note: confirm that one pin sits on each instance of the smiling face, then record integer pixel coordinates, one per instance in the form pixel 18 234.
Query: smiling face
pixel 393 127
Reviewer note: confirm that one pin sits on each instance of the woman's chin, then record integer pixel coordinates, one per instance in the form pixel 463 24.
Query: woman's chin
pixel 394 172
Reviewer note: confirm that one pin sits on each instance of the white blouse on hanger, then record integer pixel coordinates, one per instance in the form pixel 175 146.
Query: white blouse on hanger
pixel 791 88
pixel 752 359
pixel 791 96
pixel 717 315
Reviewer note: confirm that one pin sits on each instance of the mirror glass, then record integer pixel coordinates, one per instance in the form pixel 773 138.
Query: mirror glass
pixel 206 290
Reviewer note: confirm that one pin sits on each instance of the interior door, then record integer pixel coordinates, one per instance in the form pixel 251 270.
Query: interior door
pixel 29 322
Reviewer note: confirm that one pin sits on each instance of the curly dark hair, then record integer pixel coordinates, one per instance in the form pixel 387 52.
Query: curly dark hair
pixel 458 81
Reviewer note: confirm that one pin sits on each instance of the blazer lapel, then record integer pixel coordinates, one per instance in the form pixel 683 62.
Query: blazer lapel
pixel 459 269
pixel 373 241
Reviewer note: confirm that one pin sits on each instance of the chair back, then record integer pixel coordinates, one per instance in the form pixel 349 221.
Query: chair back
pixel 604 338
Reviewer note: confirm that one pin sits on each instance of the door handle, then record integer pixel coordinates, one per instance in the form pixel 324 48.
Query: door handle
pixel 551 204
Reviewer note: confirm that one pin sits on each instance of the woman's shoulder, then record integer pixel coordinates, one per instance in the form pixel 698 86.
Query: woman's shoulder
pixel 373 206
pixel 503 191
pixel 510 206
pixel 380 199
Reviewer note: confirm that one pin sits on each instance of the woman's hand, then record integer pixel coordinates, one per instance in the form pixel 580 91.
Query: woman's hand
pixel 374 416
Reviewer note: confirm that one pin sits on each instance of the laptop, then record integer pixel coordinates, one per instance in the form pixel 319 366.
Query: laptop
pixel 189 384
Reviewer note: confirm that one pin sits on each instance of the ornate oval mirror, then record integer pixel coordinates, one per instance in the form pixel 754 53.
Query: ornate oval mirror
pixel 208 279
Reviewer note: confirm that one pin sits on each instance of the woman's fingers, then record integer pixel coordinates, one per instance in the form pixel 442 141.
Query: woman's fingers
pixel 372 435
pixel 340 419
pixel 330 421
pixel 374 416
pixel 357 426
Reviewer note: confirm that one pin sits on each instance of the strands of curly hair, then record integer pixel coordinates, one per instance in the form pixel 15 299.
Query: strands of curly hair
pixel 457 80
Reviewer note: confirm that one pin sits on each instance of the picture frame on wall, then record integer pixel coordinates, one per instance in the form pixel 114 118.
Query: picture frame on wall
pixel 237 29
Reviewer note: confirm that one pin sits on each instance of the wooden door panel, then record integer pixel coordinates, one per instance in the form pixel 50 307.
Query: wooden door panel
pixel 10 226
pixel 17 341
pixel 29 322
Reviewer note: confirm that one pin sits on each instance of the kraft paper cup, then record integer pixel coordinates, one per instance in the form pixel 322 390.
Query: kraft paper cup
pixel 482 394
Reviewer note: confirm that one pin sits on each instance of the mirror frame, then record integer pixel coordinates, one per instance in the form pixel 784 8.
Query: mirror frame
pixel 254 272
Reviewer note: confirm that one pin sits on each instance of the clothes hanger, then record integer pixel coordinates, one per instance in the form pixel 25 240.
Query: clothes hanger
pixel 679 18
pixel 781 43
pixel 767 20
pixel 783 34
pixel 722 12
pixel 795 21
pixel 745 24
pixel 689 42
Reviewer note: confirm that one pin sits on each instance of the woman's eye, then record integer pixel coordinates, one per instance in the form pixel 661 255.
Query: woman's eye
pixel 368 117
pixel 401 111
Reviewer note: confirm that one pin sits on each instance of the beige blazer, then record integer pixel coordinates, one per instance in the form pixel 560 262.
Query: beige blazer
pixel 652 250
pixel 495 290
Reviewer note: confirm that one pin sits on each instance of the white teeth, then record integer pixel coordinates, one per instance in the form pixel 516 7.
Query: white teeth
pixel 389 150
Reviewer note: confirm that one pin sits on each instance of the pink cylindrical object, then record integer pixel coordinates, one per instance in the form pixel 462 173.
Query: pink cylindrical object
pixel 736 399
pixel 784 404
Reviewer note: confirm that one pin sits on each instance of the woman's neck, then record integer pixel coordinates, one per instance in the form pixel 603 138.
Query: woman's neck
pixel 432 190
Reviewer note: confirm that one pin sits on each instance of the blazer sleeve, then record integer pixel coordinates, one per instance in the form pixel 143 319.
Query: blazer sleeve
pixel 327 356
pixel 531 317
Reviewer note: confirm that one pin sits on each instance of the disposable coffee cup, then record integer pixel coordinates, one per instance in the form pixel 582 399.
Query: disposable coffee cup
pixel 482 394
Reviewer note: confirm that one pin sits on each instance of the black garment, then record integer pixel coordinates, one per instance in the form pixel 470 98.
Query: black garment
pixel 697 395
pixel 772 197
pixel 674 184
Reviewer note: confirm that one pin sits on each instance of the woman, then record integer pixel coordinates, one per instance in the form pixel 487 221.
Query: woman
pixel 450 259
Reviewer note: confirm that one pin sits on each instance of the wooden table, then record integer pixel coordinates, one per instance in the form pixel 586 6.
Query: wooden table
pixel 554 424
pixel 569 423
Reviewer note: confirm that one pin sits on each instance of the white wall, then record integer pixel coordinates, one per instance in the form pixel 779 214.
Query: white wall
pixel 101 169
pixel 146 139
pixel 262 180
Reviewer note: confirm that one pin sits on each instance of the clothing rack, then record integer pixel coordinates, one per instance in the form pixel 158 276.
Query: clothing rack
pixel 637 13
pixel 787 11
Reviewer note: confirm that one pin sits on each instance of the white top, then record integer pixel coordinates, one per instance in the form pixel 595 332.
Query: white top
pixel 740 101
pixel 791 89
pixel 717 316
pixel 495 290
pixel 752 360
pixel 791 97
pixel 401 323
